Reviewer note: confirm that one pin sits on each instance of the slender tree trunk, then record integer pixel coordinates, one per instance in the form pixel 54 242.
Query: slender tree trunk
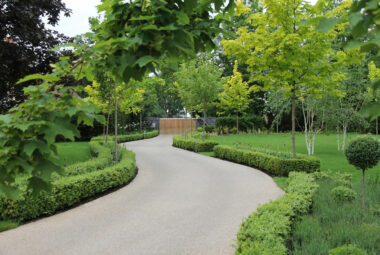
pixel 140 121
pixel 312 146
pixel 344 136
pixel 377 126
pixel 191 125
pixel 237 122
pixel 277 127
pixel 294 122
pixel 363 188
pixel 116 156
pixel 204 120
pixel 337 137
pixel 185 125
pixel 108 119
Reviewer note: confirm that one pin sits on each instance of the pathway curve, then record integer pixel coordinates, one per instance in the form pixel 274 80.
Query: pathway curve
pixel 180 203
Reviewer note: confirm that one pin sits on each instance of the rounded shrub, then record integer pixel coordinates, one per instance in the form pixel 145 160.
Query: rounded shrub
pixel 343 194
pixel 363 153
pixel 347 250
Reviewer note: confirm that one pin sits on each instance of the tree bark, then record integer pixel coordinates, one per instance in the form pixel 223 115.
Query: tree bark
pixel 363 188
pixel 116 156
pixel 108 119
pixel 294 122
pixel 204 120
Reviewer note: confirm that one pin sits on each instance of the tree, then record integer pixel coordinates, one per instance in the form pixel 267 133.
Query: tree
pixel 285 52
pixel 201 81
pixel 278 105
pixel 363 153
pixel 374 74
pixel 25 44
pixel 235 96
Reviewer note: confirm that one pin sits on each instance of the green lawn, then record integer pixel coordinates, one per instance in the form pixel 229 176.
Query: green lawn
pixel 73 152
pixel 325 149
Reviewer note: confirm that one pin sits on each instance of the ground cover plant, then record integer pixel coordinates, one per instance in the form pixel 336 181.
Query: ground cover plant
pixel 340 222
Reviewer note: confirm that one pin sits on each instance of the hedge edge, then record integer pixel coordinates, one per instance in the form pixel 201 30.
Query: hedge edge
pixel 268 163
pixel 191 145
pixel 266 231
pixel 129 138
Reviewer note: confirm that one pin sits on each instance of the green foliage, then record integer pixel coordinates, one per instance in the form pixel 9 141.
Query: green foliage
pixel 246 123
pixel 363 152
pixel 266 231
pixel 343 194
pixel 28 132
pixel 129 138
pixel 69 190
pixel 191 145
pixel 271 164
pixel 347 250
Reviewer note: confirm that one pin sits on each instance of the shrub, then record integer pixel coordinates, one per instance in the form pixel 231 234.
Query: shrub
pixel 128 138
pixel 267 230
pixel 189 144
pixel 246 123
pixel 210 129
pixel 343 194
pixel 271 164
pixel 70 190
pixel 347 250
pixel 363 153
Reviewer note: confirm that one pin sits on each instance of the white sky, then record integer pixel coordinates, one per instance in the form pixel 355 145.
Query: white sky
pixel 77 23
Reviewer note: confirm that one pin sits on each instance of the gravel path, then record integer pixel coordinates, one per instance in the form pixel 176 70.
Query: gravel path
pixel 180 203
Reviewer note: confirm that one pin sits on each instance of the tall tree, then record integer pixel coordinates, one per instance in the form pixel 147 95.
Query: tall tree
pixel 235 96
pixel 285 52
pixel 25 44
pixel 202 82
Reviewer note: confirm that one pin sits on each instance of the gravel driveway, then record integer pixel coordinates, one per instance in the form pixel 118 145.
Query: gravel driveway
pixel 180 203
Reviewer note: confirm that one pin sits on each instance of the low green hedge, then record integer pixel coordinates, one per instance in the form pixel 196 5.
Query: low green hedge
pixel 189 144
pixel 71 189
pixel 266 231
pixel 128 138
pixel 271 164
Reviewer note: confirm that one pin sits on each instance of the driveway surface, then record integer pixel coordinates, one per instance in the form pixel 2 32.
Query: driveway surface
pixel 180 203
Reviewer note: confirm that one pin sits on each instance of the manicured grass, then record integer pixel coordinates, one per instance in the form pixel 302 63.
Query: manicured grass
pixel 332 224
pixel 73 152
pixel 6 225
pixel 325 149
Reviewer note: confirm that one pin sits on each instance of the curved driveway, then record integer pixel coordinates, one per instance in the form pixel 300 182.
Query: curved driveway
pixel 180 203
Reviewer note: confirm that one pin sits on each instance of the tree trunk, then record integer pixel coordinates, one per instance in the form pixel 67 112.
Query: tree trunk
pixel 237 123
pixel 191 125
pixel 294 122
pixel 108 119
pixel 185 126
pixel 140 121
pixel 116 156
pixel 277 127
pixel 363 188
pixel 344 136
pixel 337 137
pixel 204 120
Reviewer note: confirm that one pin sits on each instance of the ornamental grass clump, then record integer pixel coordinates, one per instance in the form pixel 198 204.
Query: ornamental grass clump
pixel 363 153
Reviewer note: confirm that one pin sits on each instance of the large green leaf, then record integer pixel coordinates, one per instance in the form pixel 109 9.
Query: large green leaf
pixel 37 184
pixel 46 167
pixel 325 24
pixel 60 127
pixel 47 77
pixel 31 146
pixel 143 61
pixel 9 192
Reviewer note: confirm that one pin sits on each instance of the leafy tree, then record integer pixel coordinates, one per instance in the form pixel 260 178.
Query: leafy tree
pixel 235 96
pixel 201 81
pixel 278 105
pixel 374 74
pixel 363 153
pixel 25 44
pixel 285 52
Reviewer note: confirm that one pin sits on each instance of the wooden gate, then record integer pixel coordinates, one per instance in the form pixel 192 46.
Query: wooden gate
pixel 177 126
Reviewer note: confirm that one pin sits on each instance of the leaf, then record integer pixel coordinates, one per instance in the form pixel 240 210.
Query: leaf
pixel 355 18
pixel 143 18
pixel 190 5
pixel 143 61
pixel 46 167
pixel 31 146
pixel 60 127
pixel 183 19
pixel 371 111
pixel 9 192
pixel 37 184
pixel 47 77
pixel 150 27
pixel 325 24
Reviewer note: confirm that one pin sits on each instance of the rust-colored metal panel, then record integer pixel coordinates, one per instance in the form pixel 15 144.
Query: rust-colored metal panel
pixel 177 126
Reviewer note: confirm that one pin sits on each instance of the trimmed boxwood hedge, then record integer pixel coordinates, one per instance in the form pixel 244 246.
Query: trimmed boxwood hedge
pixel 71 189
pixel 189 144
pixel 128 138
pixel 269 163
pixel 266 231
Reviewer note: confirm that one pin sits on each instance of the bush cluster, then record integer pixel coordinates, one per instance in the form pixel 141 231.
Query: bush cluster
pixel 347 250
pixel 68 190
pixel 271 164
pixel 343 194
pixel 267 230
pixel 228 124
pixel 189 144
pixel 128 138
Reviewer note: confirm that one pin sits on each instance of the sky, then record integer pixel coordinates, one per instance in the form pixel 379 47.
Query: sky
pixel 77 23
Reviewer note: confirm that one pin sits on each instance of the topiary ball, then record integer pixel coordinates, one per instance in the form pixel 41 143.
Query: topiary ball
pixel 363 152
